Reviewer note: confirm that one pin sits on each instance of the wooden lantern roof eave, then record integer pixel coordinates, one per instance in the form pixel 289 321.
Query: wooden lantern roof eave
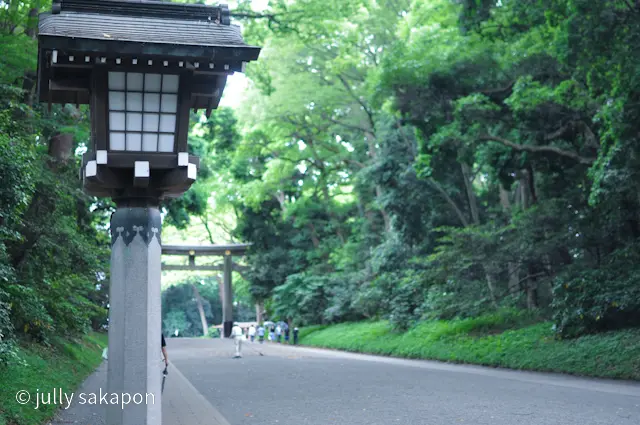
pixel 131 48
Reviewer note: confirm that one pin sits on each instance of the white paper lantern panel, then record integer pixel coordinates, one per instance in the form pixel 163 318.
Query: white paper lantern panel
pixel 167 123
pixel 150 142
pixel 134 121
pixel 116 121
pixel 134 81
pixel 116 81
pixel 169 103
pixel 134 142
pixel 165 143
pixel 116 141
pixel 134 101
pixel 152 83
pixel 150 122
pixel 151 102
pixel 116 101
pixel 170 83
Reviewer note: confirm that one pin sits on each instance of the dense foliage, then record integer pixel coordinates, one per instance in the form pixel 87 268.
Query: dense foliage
pixel 444 158
pixel 53 247
pixel 402 160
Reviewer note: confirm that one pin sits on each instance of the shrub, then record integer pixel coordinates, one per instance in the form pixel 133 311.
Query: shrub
pixel 589 301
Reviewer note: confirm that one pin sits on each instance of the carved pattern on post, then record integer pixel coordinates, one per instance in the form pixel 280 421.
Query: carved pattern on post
pixel 137 223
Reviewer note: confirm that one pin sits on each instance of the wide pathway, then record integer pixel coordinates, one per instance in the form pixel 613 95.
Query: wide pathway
pixel 274 384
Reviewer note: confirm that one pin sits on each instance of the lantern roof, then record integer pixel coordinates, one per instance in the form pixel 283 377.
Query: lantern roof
pixel 78 36
pixel 144 27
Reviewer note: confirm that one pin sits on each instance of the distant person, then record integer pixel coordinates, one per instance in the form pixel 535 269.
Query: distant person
pixel 295 336
pixel 164 352
pixel 272 333
pixel 261 334
pixel 252 333
pixel 286 334
pixel 176 333
pixel 236 334
pixel 278 333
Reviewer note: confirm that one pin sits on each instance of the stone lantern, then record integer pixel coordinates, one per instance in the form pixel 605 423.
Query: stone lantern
pixel 142 66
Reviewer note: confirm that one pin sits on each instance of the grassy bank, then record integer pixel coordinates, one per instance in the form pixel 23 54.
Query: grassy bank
pixel 65 365
pixel 502 340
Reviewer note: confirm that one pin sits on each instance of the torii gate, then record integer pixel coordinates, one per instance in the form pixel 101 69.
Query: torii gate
pixel 227 251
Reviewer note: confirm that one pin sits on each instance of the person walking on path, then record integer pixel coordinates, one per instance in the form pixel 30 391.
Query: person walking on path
pixel 252 333
pixel 278 333
pixel 164 352
pixel 286 334
pixel 295 336
pixel 236 333
pixel 261 334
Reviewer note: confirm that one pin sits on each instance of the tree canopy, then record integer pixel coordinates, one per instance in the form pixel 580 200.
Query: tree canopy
pixel 402 159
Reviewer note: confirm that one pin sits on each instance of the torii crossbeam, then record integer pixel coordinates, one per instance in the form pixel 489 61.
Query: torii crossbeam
pixel 227 251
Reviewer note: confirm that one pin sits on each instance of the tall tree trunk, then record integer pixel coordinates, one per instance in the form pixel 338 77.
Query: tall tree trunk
pixel 475 216
pixel 314 236
pixel 221 293
pixel 512 268
pixel 60 151
pixel 203 317
pixel 31 29
pixel 528 197
pixel 332 214
pixel 373 153
pixel 259 311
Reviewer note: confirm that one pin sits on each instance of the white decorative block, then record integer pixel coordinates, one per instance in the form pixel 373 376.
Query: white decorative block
pixel 134 61
pixel 87 58
pixel 54 56
pixel 183 159
pixel 180 64
pixel 118 61
pixel 211 65
pixel 101 157
pixel 92 169
pixel 165 63
pixel 192 171
pixel 149 62
pixel 71 58
pixel 141 169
